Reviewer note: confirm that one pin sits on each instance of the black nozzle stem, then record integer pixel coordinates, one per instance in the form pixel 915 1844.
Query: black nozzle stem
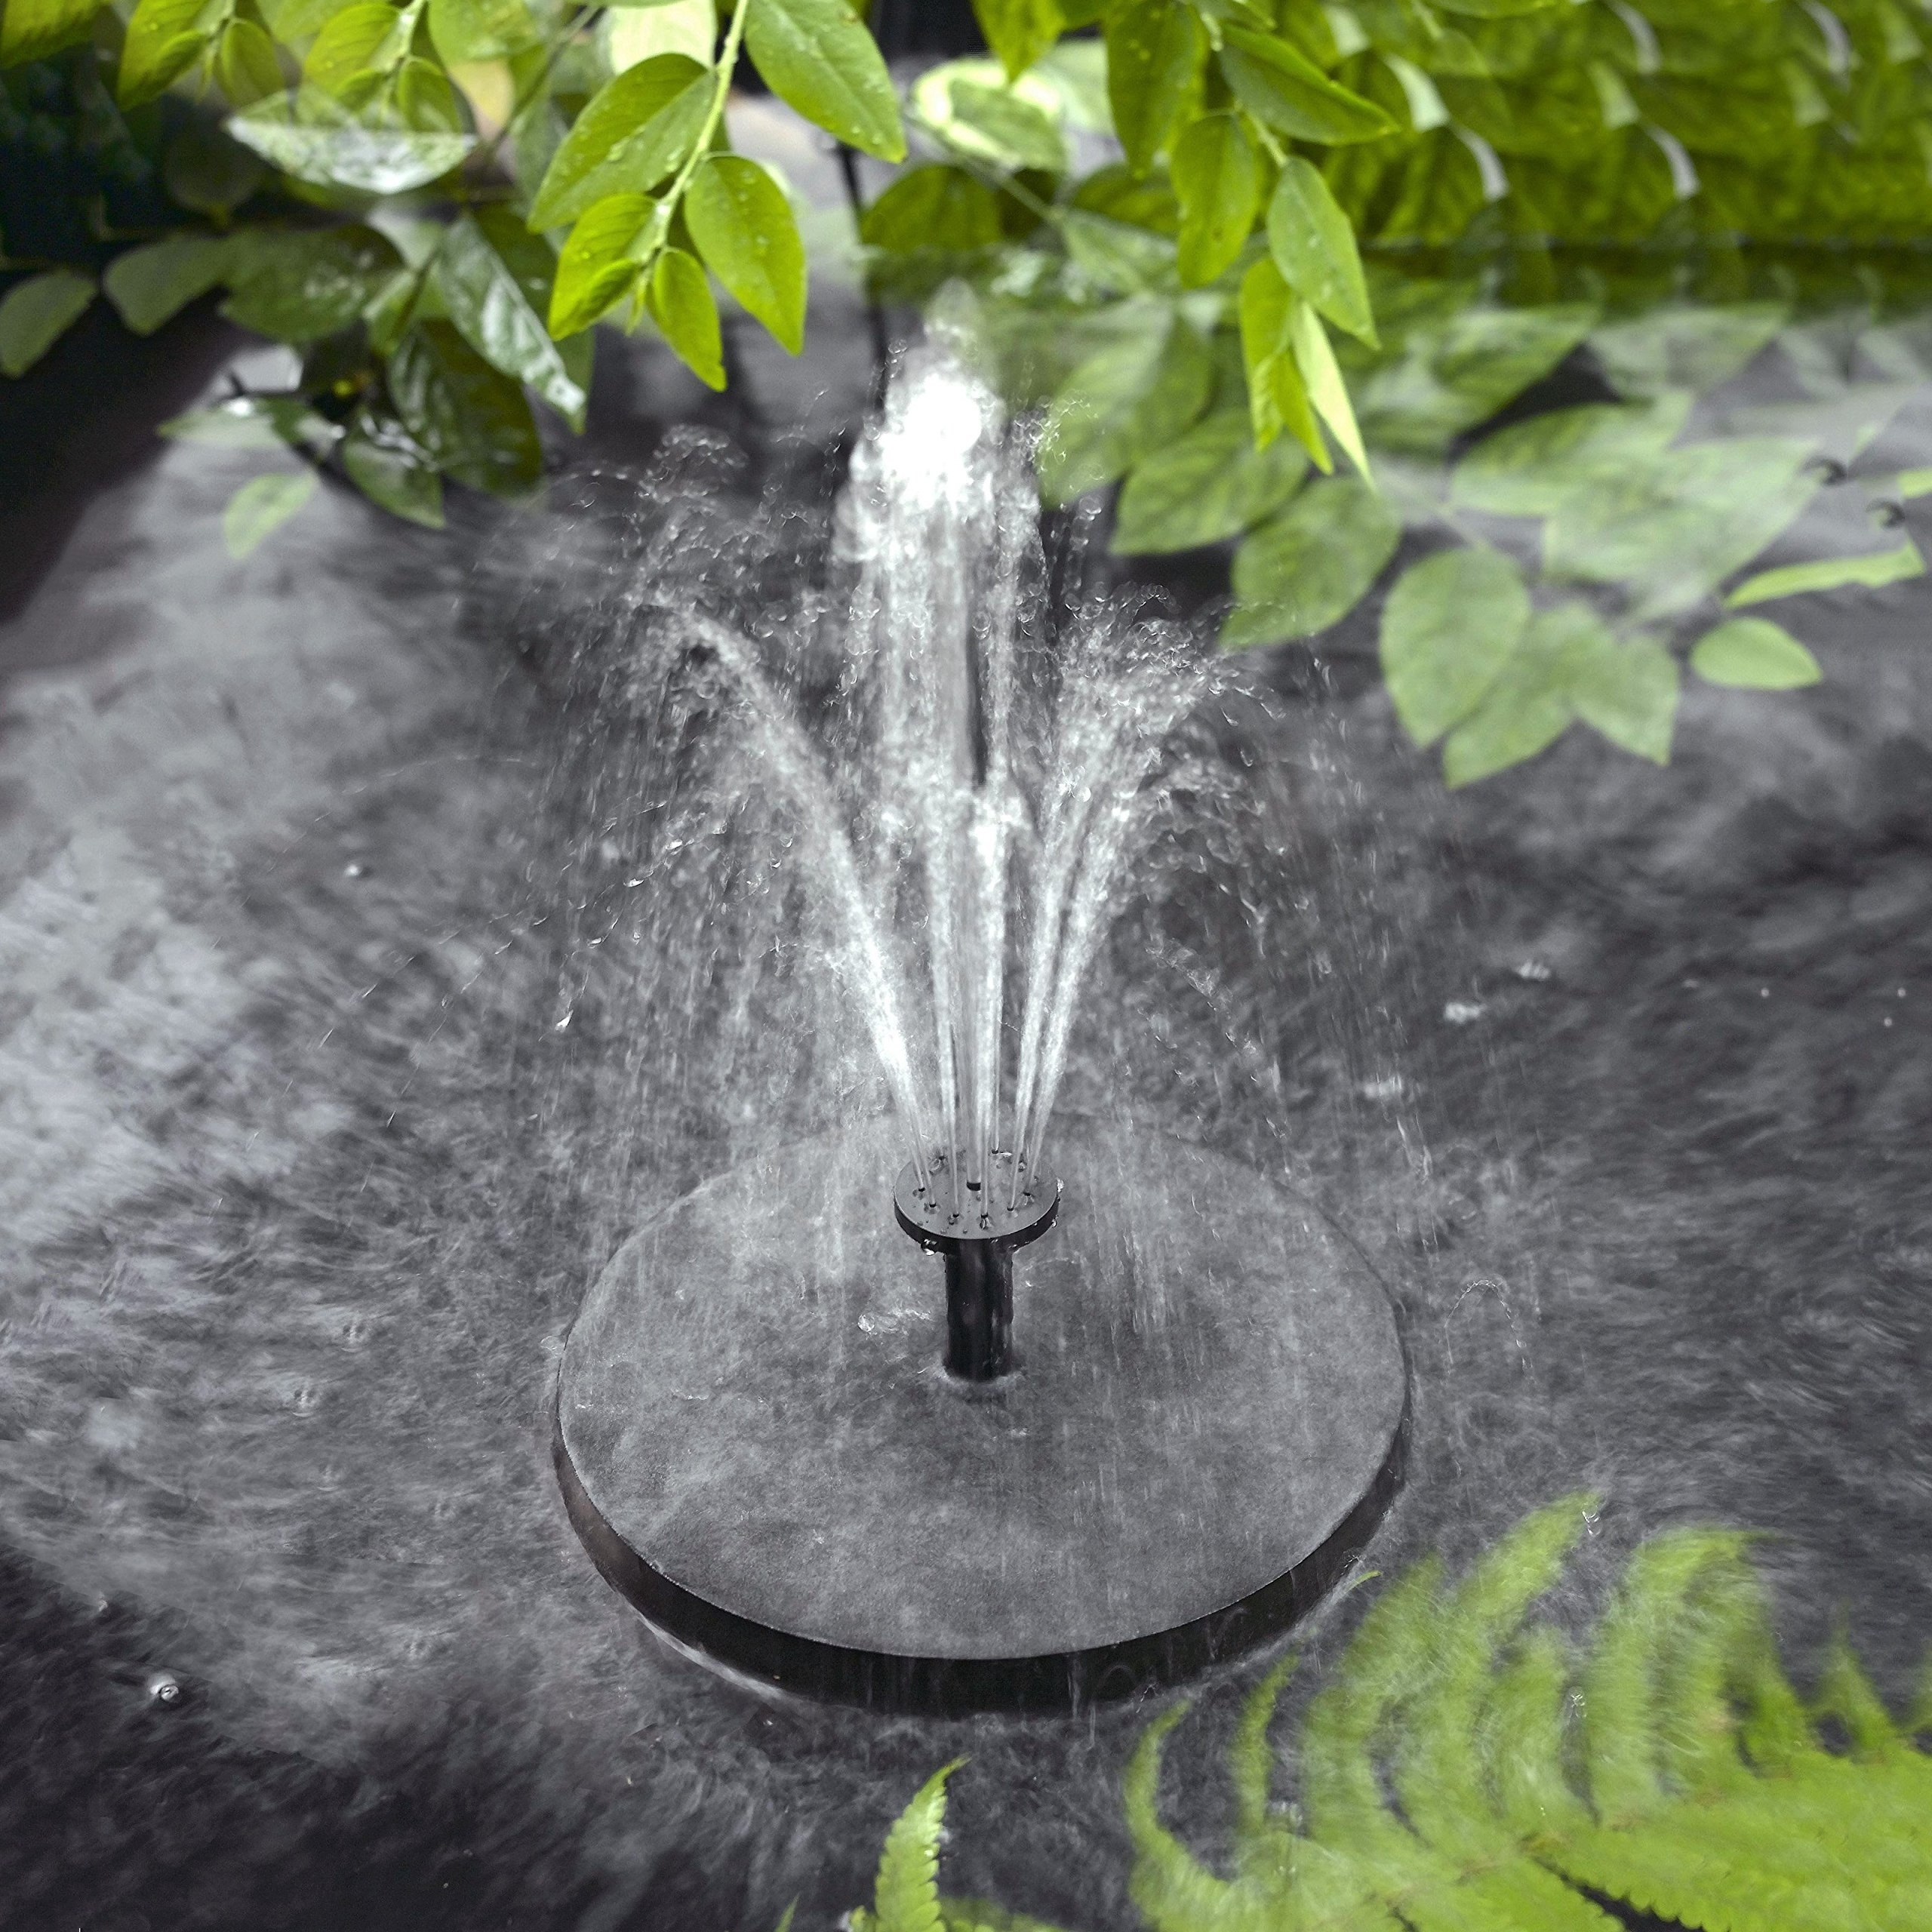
pixel 979 1310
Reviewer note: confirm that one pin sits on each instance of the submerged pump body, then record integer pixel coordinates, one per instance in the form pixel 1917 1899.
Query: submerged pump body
pixel 974 1226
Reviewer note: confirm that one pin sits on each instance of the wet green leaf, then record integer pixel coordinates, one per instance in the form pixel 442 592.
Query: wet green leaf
pixel 1211 484
pixel 471 421
pixel 636 130
pixel 1321 376
pixel 1217 179
pixel 500 309
pixel 34 314
pixel 261 507
pixel 1120 404
pixel 32 29
pixel 1018 31
pixel 366 35
pixel 245 66
pixel 814 55
pixel 1278 397
pixel 599 262
pixel 164 39
pixel 1627 691
pixel 315 139
pixel 386 463
pixel 1524 469
pixel 480 30
pixel 1314 247
pixel 150 285
pixel 1872 570
pixel 298 285
pixel 1283 87
pixel 1155 49
pixel 937 206
pixel 744 230
pixel 681 304
pixel 1450 624
pixel 1755 654
pixel 1116 194
pixel 1312 564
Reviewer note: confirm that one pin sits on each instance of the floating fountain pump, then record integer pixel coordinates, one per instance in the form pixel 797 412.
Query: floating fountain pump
pixel 976 1223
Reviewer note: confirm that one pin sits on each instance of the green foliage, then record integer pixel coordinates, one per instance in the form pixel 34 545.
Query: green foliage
pixel 34 314
pixel 261 507
pixel 1754 654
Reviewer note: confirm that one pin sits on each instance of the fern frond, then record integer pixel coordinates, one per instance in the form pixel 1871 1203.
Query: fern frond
pixel 1523 1736
pixel 982 1915
pixel 1264 1847
pixel 906 1893
pixel 1844 1692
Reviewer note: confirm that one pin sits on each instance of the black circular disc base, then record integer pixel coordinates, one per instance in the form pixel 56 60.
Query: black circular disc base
pixel 758 1446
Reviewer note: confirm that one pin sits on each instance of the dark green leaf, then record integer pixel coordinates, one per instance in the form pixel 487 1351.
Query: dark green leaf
pixel 1155 52
pixel 1117 194
pixel 164 39
pixel 315 139
pixel 149 285
pixel 298 285
pixel 471 420
pixel 1282 87
pixel 1754 654
pixel 480 30
pixel 934 207
pixel 1521 470
pixel 1211 485
pixel 206 169
pixel 500 314
pixel 1217 179
pixel 599 262
pixel 385 463
pixel 34 314
pixel 32 29
pixel 816 56
pixel 1628 693
pixel 1119 405
pixel 1450 624
pixel 1311 564
pixel 1315 248
pixel 261 507
pixel 681 304
pixel 635 132
pixel 744 229
pixel 1018 31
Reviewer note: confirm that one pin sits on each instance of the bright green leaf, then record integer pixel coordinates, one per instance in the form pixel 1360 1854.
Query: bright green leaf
pixel 151 284
pixel 1311 564
pixel 937 206
pixel 1628 693
pixel 1314 247
pixel 35 313
pixel 744 229
pixel 1450 624
pixel 367 36
pixel 1211 485
pixel 1217 179
pixel 384 462
pixel 463 30
pixel 1120 404
pixel 681 304
pixel 32 29
pixel 1278 397
pixel 1754 653
pixel 1155 52
pixel 261 507
pixel 471 420
pixel 1871 570
pixel 634 33
pixel 905 1893
pixel 300 284
pixel 1019 31
pixel 501 318
pixel 245 66
pixel 1280 86
pixel 164 39
pixel 1004 128
pixel 815 55
pixel 599 262
pixel 636 131
pixel 1321 376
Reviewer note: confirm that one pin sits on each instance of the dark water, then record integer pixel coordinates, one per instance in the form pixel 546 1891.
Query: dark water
pixel 322 1110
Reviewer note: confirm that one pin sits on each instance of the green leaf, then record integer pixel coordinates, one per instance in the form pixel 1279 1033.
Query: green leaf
pixel 1155 52
pixel 1310 565
pixel 463 30
pixel 998 125
pixel 744 229
pixel 681 304
pixel 500 312
pixel 164 39
pixel 636 131
pixel 150 285
pixel 906 1893
pixel 261 507
pixel 1628 693
pixel 471 420
pixel 1314 247
pixel 1527 706
pixel 1120 404
pixel 1114 256
pixel 316 139
pixel 599 262
pixel 32 29
pixel 815 57
pixel 1872 570
pixel 255 422
pixel 1278 398
pixel 1217 178
pixel 384 462
pixel 1211 484
pixel 1019 31
pixel 1450 624
pixel 1116 194
pixel 1755 654
pixel 1321 376
pixel 1523 470
pixel 35 313
pixel 1280 86
pixel 205 169
pixel 368 34
pixel 292 21
pixel 245 65
pixel 937 206
pixel 298 285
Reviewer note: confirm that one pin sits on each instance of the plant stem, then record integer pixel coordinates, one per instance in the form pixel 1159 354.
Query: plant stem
pixel 728 62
